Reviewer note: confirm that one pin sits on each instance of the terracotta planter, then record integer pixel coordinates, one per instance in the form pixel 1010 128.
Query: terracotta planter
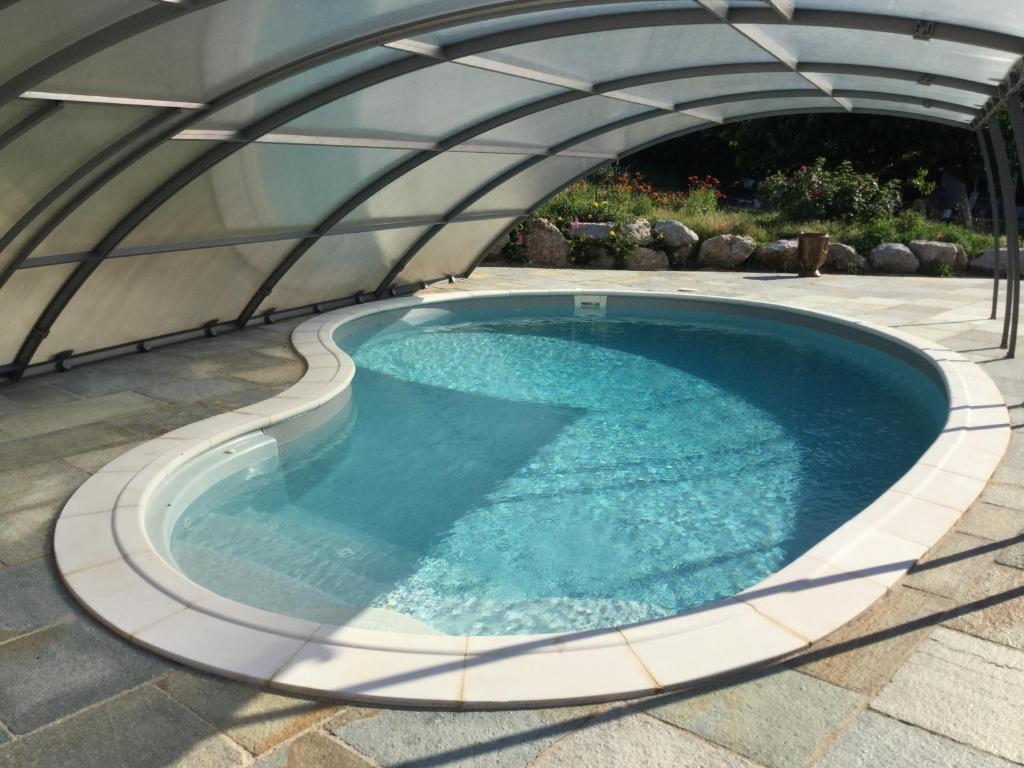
pixel 812 251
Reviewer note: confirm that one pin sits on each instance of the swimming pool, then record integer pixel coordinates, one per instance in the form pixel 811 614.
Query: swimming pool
pixel 519 472
pixel 537 498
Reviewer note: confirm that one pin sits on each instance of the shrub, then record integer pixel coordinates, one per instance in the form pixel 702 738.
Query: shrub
pixel 816 192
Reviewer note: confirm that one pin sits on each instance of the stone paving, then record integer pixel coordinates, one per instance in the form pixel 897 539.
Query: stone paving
pixel 932 675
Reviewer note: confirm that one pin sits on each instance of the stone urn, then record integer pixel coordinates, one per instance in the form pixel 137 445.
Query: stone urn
pixel 812 251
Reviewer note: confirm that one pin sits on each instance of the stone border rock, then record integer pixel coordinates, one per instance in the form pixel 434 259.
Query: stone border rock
pixel 106 559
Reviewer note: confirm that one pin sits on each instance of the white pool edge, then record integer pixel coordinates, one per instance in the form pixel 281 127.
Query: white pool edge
pixel 108 563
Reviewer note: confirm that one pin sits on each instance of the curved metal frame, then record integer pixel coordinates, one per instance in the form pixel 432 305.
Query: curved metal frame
pixel 1016 114
pixel 767 16
pixel 57 62
pixel 1008 191
pixel 551 102
pixel 994 203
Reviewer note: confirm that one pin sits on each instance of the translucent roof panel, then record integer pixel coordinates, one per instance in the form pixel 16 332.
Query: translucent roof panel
pixel 264 188
pixel 202 144
pixel 30 31
pixel 996 15
pixel 454 250
pixel 161 293
pixel 884 49
pixel 425 105
pixel 587 57
pixel 340 266
pixel 553 126
pixel 691 89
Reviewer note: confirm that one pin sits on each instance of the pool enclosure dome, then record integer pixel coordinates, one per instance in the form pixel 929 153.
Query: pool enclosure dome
pixel 176 167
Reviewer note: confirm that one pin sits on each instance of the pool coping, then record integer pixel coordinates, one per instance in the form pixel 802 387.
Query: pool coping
pixel 107 561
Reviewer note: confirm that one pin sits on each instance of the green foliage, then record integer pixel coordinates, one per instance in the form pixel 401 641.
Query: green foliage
pixel 816 192
pixel 585 201
pixel 921 183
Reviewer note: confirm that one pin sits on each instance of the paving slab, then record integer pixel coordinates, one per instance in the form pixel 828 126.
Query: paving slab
pixel 952 565
pixel 1003 621
pixel 51 418
pixel 48 482
pixel 256 719
pixel 142 729
pixel 990 521
pixel 1013 555
pixel 90 381
pixel 31 597
pixel 168 417
pixel 962 687
pixel 864 655
pixel 273 375
pixel 1004 495
pixel 35 393
pixel 57 671
pixel 314 750
pixel 780 718
pixel 622 737
pixel 194 390
pixel 25 534
pixel 467 739
pixel 27 451
pixel 875 740
pixel 94 461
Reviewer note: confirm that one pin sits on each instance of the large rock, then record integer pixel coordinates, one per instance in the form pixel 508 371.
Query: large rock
pixel 639 230
pixel 844 258
pixel 593 230
pixel 646 259
pixel 544 244
pixel 726 251
pixel 599 258
pixel 782 254
pixel 987 261
pixel 932 253
pixel 894 257
pixel 676 235
pixel 961 258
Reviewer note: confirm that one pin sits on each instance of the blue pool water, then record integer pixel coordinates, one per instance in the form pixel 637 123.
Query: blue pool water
pixel 506 475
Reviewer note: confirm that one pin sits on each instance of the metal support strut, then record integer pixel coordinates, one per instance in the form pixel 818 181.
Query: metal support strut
pixel 1017 129
pixel 997 241
pixel 1012 236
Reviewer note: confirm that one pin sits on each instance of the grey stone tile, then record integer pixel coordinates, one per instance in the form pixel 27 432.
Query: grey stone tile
pixel 25 534
pixel 244 397
pixel 256 719
pixel 967 689
pixel 874 741
pixel 194 390
pixel 1013 555
pixel 989 521
pixel 467 739
pixel 314 750
pixel 8 406
pixel 161 420
pixel 51 418
pixel 273 375
pixel 49 482
pixel 35 393
pixel 952 565
pixel 94 461
pixel 31 597
pixel 57 671
pixel 780 719
pixel 621 737
pixel 143 729
pixel 1011 496
pixel 1002 621
pixel 93 381
pixel 25 451
pixel 864 655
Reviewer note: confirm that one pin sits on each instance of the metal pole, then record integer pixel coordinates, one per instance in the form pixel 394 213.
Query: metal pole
pixel 996 234
pixel 1017 128
pixel 1010 217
